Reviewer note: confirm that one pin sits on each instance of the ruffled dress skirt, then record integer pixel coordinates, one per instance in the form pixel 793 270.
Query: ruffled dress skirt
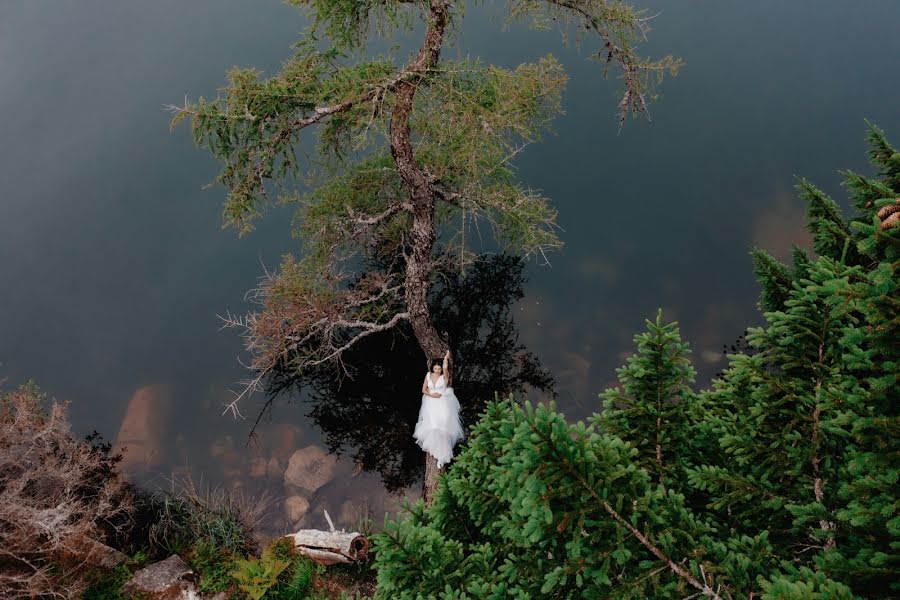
pixel 439 427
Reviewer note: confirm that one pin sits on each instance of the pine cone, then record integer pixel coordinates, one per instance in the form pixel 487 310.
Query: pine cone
pixel 888 210
pixel 892 221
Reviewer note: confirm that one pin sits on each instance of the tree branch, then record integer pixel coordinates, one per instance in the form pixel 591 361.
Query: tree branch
pixel 385 214
pixel 672 565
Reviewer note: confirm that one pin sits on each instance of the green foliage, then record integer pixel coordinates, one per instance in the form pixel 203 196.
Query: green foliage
pixel 651 412
pixel 885 157
pixel 299 584
pixel 486 116
pixel 347 22
pixel 185 518
pixel 296 582
pixel 407 158
pixel 213 566
pixel 536 507
pixel 780 481
pixel 280 573
pixel 774 277
pixel 807 427
pixel 106 584
pixel 253 129
pixel 256 576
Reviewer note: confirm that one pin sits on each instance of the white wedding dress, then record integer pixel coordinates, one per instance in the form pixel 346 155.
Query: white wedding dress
pixel 439 428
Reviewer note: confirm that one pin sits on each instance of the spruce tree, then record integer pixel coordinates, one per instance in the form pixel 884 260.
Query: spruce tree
pixel 807 426
pixel 778 482
pixel 650 410
pixel 538 508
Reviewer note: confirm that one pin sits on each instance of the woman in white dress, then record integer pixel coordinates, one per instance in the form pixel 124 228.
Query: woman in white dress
pixel 438 428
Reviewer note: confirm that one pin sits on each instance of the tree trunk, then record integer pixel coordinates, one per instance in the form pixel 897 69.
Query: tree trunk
pixel 420 186
pixel 429 486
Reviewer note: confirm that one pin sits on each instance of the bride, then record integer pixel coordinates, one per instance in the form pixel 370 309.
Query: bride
pixel 438 428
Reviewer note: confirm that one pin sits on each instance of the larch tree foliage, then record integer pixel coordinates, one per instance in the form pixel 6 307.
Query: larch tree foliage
pixel 404 152
pixel 778 483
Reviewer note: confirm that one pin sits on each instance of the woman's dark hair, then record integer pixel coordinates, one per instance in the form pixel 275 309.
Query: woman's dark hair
pixel 436 361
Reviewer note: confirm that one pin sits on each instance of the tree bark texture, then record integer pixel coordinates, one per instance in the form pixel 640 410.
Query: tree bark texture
pixel 330 547
pixel 421 188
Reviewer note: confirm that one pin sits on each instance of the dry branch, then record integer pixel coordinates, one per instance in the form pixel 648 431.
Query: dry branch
pixel 57 501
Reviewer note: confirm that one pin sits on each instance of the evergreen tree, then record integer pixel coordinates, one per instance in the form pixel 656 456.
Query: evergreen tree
pixel 807 426
pixel 650 411
pixel 774 277
pixel 407 153
pixel 538 508
pixel 779 482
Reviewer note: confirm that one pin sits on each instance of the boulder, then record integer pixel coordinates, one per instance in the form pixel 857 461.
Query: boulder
pixel 168 579
pixel 296 508
pixel 257 466
pixel 286 437
pixel 351 499
pixel 349 512
pixel 310 468
pixel 274 468
pixel 223 448
pixel 142 432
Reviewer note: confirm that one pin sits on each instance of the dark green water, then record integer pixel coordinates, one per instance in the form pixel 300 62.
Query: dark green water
pixel 114 265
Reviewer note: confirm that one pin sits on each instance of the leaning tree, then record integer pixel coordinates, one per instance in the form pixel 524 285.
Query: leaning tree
pixel 406 155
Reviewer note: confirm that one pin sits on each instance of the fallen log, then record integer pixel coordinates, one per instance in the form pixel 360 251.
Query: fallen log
pixel 330 547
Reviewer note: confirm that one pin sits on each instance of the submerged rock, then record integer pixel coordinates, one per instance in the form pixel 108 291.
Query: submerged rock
pixel 310 468
pixel 274 468
pixel 296 508
pixel 142 432
pixel 257 466
pixel 286 437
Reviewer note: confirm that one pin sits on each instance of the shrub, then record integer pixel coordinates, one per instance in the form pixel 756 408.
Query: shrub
pixel 59 499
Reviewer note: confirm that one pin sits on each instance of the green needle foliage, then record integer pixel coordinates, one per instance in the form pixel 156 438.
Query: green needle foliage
pixel 778 482
pixel 651 413
pixel 406 156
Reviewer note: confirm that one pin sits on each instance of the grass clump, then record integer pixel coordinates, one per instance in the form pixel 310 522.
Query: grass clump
pixel 186 517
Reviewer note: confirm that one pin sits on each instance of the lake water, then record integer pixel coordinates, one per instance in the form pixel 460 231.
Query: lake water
pixel 114 264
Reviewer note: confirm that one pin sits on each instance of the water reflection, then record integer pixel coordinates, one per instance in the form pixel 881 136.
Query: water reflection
pixel 372 411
